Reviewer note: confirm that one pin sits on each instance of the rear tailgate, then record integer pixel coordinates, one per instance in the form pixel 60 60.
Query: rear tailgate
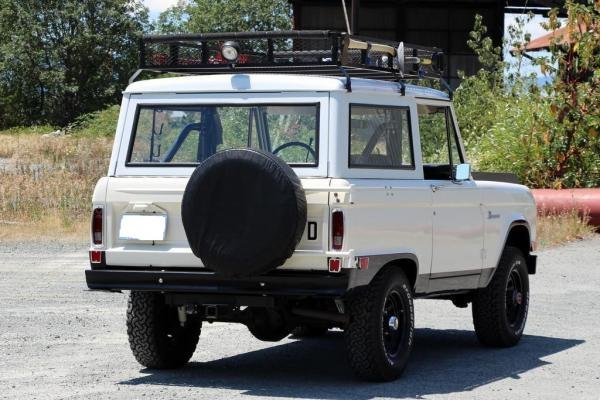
pixel 162 195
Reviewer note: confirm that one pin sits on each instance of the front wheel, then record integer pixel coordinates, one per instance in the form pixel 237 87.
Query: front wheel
pixel 156 337
pixel 379 335
pixel 500 309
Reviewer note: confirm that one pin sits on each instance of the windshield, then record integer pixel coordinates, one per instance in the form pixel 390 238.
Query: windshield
pixel 175 135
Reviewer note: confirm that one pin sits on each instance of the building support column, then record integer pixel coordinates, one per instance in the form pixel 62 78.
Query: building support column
pixel 354 17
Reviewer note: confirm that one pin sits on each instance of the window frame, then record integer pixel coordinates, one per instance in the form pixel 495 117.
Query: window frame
pixel 450 125
pixel 450 122
pixel 179 106
pixel 406 108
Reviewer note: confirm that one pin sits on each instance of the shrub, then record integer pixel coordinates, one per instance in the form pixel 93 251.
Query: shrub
pixel 96 124
pixel 547 136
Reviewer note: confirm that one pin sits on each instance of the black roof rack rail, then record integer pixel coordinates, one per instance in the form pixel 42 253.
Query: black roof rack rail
pixel 322 52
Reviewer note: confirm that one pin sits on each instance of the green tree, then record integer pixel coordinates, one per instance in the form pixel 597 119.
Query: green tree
pixel 571 135
pixel 173 19
pixel 548 136
pixel 199 16
pixel 62 58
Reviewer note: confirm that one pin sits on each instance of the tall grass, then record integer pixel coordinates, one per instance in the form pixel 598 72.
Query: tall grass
pixel 558 228
pixel 27 130
pixel 46 182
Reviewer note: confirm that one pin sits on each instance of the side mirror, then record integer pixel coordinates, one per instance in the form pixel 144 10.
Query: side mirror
pixel 461 172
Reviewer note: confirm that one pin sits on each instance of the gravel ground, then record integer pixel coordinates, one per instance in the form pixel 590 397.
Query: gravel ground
pixel 59 341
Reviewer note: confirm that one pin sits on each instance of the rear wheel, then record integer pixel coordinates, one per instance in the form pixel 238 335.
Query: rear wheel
pixel 500 309
pixel 156 337
pixel 379 336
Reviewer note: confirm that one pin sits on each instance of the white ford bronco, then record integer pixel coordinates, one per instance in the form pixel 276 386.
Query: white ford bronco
pixel 295 182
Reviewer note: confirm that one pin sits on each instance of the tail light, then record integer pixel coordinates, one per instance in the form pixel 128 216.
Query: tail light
pixel 337 230
pixel 96 256
pixel 97 226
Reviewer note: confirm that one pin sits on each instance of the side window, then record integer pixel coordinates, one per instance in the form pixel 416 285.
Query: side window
pixel 439 142
pixel 380 137
pixel 434 135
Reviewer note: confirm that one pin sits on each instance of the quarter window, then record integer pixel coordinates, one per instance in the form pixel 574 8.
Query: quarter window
pixel 380 137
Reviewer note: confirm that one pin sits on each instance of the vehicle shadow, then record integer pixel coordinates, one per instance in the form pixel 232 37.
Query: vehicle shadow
pixel 443 362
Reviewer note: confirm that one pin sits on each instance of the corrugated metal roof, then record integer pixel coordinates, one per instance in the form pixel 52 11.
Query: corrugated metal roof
pixel 561 35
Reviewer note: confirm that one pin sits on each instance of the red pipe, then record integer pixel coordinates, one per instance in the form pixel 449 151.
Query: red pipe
pixel 564 200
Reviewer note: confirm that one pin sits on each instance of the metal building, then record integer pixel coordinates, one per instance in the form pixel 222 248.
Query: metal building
pixel 444 24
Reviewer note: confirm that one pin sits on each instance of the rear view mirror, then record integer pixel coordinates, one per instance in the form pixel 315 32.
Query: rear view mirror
pixel 461 172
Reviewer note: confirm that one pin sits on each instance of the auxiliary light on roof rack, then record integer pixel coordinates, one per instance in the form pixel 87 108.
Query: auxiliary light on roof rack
pixel 325 53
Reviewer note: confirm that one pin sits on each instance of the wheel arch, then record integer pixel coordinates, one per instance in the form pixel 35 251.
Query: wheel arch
pixel 518 235
pixel 407 262
pixel 408 266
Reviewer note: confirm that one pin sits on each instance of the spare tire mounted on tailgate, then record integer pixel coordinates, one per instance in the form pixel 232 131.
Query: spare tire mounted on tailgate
pixel 244 212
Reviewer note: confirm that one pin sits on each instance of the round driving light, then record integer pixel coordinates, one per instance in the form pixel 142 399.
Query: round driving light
pixel 230 51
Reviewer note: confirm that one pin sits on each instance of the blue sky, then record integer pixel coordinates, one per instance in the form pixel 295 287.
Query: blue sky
pixel 534 28
pixel 158 6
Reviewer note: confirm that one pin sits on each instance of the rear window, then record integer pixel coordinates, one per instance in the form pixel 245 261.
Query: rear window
pixel 380 137
pixel 187 135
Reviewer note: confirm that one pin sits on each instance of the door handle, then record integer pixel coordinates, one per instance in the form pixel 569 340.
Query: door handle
pixel 435 188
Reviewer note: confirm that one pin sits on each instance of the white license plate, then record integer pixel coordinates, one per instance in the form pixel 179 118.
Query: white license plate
pixel 143 227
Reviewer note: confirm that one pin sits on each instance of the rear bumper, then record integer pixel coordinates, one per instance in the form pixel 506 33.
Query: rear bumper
pixel 279 283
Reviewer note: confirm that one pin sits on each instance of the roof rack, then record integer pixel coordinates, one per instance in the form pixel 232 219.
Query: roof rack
pixel 325 52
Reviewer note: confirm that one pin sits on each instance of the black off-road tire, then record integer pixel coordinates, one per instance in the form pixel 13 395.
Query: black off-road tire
pixel 498 316
pixel 365 334
pixel 156 337
pixel 309 331
pixel 267 325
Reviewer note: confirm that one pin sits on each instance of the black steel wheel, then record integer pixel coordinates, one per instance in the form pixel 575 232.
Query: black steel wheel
pixel 393 322
pixel 515 304
pixel 379 335
pixel 500 309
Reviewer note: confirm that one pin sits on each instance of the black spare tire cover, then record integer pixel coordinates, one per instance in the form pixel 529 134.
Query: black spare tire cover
pixel 244 212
